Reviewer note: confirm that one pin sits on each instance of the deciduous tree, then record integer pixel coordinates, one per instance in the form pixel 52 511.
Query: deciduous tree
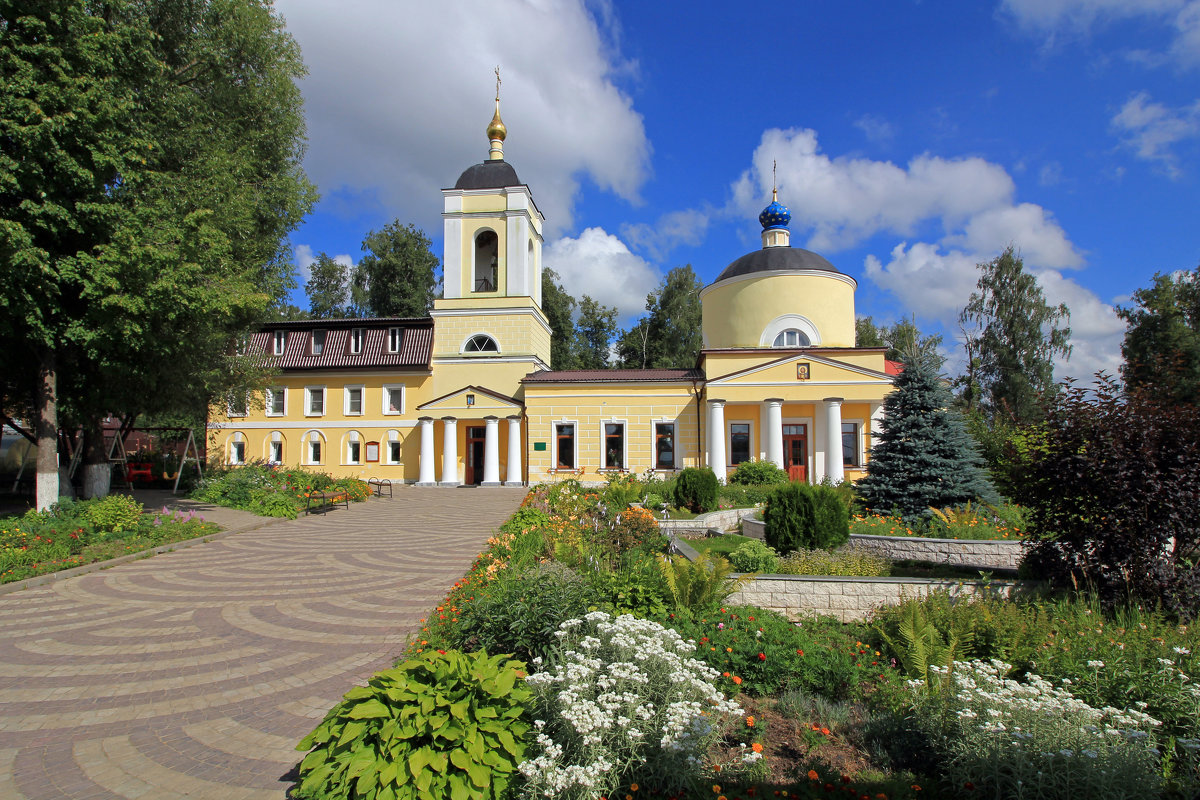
pixel 398 275
pixel 328 288
pixel 1162 343
pixel 593 334
pixel 899 338
pixel 559 306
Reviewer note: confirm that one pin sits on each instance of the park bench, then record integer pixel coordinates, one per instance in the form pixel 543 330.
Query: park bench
pixel 380 485
pixel 323 501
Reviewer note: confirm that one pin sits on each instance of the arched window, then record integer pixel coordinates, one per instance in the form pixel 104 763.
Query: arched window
pixel 791 338
pixel 487 251
pixel 481 343
pixel 274 447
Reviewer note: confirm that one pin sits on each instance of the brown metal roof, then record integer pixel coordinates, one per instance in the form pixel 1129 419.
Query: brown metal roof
pixel 613 375
pixel 416 344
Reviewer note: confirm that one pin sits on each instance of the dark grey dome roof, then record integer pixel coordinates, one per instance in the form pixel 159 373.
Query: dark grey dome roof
pixel 776 259
pixel 488 175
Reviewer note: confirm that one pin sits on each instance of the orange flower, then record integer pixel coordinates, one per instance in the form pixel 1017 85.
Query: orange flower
pixel 812 775
pixel 756 747
pixel 633 787
pixel 750 722
pixel 736 680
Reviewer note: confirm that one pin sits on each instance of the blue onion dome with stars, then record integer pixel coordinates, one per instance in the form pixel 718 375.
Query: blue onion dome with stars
pixel 775 215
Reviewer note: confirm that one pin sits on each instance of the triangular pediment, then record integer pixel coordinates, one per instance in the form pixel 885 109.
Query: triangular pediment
pixel 475 401
pixel 800 369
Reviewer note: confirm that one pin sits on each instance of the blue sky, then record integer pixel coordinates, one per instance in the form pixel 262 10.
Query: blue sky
pixel 913 139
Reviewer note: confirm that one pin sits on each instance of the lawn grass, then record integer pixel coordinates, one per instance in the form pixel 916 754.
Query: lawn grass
pixel 719 545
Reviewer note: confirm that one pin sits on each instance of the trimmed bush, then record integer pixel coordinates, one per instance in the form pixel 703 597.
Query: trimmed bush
pixel 743 496
pixel 116 512
pixel 788 518
pixel 758 473
pixel 831 518
pixel 696 490
pixel 754 556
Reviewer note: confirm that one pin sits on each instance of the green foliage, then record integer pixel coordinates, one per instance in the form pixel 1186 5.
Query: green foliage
pixel 1012 339
pixel 919 644
pixel 1111 482
pixel 559 307
pixel 700 584
pixel 621 490
pixel 116 512
pixel 850 561
pixel 758 473
pixel 755 556
pixel 637 588
pixel 1162 342
pixel 669 335
pixel 327 288
pixel 831 518
pixel 594 330
pixel 526 519
pixel 655 502
pixel 696 489
pixel 788 518
pixel 899 338
pixel 922 455
pixel 743 496
pixel 446 725
pixel 272 491
pixel 398 275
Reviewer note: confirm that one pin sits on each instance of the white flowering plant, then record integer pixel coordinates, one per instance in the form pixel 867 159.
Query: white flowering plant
pixel 626 704
pixel 1032 739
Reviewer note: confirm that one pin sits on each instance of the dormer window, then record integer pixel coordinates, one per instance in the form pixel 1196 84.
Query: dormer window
pixel 481 343
pixel 487 252
pixel 356 341
pixel 394 338
pixel 280 342
pixel 318 342
pixel 791 338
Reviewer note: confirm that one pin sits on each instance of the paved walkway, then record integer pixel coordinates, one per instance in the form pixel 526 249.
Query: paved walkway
pixel 195 673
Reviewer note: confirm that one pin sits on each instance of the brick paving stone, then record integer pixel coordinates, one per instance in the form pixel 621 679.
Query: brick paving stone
pixel 194 673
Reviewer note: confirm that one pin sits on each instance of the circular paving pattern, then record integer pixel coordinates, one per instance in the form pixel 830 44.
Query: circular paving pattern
pixel 195 673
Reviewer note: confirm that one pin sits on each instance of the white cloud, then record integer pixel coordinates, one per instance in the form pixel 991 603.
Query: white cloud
pixel 672 229
pixel 304 258
pixel 1050 174
pixel 388 80
pixel 1152 129
pixel 599 264
pixel 1096 330
pixel 1030 227
pixel 876 129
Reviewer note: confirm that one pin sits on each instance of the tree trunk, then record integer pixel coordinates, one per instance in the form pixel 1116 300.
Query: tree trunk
pixel 46 426
pixel 97 471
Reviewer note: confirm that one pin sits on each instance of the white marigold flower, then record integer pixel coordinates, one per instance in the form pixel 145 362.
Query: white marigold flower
pixel 1095 664
pixel 1183 651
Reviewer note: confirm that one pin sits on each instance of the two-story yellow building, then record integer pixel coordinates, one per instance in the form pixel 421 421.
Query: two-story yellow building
pixel 467 395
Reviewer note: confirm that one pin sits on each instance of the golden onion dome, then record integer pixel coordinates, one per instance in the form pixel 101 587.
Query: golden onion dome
pixel 496 129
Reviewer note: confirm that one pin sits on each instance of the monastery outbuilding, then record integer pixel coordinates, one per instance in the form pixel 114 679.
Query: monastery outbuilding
pixel 468 395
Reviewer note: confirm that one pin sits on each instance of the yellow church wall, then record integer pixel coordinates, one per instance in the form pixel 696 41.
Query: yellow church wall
pixel 503 377
pixel 738 310
pixel 590 406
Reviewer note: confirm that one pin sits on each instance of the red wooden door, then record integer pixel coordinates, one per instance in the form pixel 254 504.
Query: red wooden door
pixel 795 452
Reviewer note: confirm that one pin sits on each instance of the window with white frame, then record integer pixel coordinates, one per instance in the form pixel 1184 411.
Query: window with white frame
pixel 394 339
pixel 356 341
pixel 739 442
pixel 393 398
pixel 276 401
pixel 314 401
pixel 851 444
pixel 280 342
pixel 237 405
pixel 664 445
pixel 313 447
pixel 275 455
pixel 791 338
pixel 614 445
pixel 353 448
pixel 391 450
pixel 237 449
pixel 481 343
pixel 564 445
pixel 318 342
pixel 353 401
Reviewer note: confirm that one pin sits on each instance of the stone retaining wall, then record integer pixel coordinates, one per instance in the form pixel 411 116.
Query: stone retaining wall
pixel 851 599
pixel 716 520
pixel 984 554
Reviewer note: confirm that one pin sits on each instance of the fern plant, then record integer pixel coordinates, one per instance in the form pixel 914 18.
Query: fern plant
pixel 921 645
pixel 700 584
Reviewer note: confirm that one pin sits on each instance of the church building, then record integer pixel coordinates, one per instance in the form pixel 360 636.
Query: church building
pixel 468 395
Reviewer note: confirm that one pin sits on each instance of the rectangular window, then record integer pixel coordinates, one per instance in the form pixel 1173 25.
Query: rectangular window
pixel 237 405
pixel 394 338
pixel 356 340
pixel 664 445
pixel 739 442
pixel 393 399
pixel 614 445
pixel 353 452
pixel 276 452
pixel 564 436
pixel 314 405
pixel 318 342
pixel 314 452
pixel 393 452
pixel 237 452
pixel 354 400
pixel 276 401
pixel 280 342
pixel 850 455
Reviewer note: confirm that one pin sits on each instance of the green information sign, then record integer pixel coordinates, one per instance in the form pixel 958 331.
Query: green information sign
pixel 539 445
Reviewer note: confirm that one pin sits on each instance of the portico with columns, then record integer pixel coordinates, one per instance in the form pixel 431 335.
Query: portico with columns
pixel 480 435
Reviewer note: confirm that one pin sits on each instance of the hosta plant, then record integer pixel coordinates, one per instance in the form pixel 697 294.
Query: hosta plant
pixel 443 725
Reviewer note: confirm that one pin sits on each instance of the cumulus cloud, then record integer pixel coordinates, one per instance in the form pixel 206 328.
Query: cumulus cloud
pixel 1096 330
pixel 387 80
pixel 672 229
pixel 304 257
pixel 876 129
pixel 1029 226
pixel 600 265
pixel 1153 130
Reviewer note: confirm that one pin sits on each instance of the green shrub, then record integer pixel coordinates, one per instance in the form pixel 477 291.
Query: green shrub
pixel 636 588
pixel 743 496
pixel 831 518
pixel 441 725
pixel 654 502
pixel 851 561
pixel 115 513
pixel 700 584
pixel 526 519
pixel 788 518
pixel 696 490
pixel 754 556
pixel 758 473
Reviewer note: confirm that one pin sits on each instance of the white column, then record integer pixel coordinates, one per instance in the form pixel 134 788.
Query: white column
pixel 428 474
pixel 775 431
pixel 716 438
pixel 833 450
pixel 450 452
pixel 491 451
pixel 514 452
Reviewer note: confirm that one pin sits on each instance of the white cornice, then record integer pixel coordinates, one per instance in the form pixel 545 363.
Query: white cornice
pixel 774 273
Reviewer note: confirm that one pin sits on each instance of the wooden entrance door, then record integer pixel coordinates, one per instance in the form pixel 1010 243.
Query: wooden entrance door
pixel 795 452
pixel 475 439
